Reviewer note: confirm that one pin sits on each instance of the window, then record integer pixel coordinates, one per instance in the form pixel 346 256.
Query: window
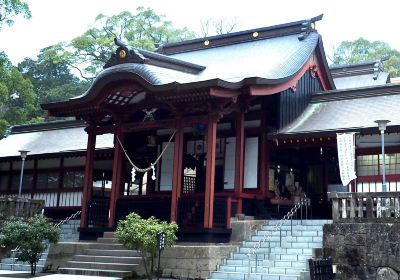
pixel 370 165
pixel 73 179
pixel 27 182
pixel 3 182
pixel 367 165
pixel 392 163
pixel 47 180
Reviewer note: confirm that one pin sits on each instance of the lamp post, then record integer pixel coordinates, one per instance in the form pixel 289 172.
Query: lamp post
pixel 23 153
pixel 382 127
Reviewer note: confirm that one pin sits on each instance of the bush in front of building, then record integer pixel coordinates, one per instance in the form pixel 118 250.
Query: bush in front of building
pixel 141 234
pixel 30 237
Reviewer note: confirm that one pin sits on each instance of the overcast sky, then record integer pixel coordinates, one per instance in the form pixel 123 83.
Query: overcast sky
pixel 61 20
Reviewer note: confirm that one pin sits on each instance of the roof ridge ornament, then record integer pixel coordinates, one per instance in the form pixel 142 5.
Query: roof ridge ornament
pixel 124 55
pixel 308 26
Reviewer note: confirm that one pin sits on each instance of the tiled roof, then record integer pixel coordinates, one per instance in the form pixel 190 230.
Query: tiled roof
pixel 348 110
pixel 269 56
pixel 48 140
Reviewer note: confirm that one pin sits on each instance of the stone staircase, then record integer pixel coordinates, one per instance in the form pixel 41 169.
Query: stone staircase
pixel 104 258
pixel 69 233
pixel 285 258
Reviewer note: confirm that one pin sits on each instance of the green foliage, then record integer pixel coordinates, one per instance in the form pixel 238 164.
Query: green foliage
pixel 51 81
pixel 11 8
pixel 141 234
pixel 18 103
pixel 362 50
pixel 31 235
pixel 90 51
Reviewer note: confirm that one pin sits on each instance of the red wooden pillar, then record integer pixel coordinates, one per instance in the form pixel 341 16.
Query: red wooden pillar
pixel 88 182
pixel 264 165
pixel 210 173
pixel 116 178
pixel 239 156
pixel 177 171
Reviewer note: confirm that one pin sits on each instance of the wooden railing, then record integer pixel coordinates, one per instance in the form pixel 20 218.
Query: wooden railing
pixel 365 207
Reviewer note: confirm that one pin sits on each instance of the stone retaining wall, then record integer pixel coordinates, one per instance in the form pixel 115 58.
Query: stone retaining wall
pixel 363 250
pixel 193 261
pixel 12 206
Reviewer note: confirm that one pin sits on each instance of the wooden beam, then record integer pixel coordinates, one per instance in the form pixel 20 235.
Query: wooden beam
pixel 239 159
pixel 88 181
pixel 264 153
pixel 177 171
pixel 117 176
pixel 210 173
pixel 216 92
pixel 264 164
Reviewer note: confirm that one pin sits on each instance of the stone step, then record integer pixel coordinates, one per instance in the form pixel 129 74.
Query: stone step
pixel 20 267
pixel 41 261
pixel 277 250
pixel 264 269
pixel 101 265
pixel 251 276
pixel 96 272
pixel 282 245
pixel 302 222
pixel 107 240
pixel 106 246
pixel 256 239
pixel 109 234
pixel 266 263
pixel 288 227
pixel 293 233
pixel 118 253
pixel 107 259
pixel 279 257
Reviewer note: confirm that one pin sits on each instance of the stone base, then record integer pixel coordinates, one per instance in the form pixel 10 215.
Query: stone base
pixel 363 250
pixel 243 229
pixel 193 261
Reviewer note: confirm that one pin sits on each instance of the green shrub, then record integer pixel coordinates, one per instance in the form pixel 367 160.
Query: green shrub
pixel 32 237
pixel 141 234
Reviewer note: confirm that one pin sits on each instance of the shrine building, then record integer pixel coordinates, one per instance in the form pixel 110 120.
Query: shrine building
pixel 202 130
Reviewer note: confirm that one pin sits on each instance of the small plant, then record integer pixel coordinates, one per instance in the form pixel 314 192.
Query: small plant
pixel 31 236
pixel 141 234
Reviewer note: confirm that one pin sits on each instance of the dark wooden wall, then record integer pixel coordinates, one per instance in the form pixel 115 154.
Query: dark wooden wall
pixel 291 104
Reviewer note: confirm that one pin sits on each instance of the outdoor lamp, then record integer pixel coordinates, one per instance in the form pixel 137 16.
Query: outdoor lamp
pixel 382 127
pixel 23 154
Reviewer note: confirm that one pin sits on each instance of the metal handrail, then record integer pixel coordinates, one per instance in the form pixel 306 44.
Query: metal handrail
pixel 278 226
pixel 73 216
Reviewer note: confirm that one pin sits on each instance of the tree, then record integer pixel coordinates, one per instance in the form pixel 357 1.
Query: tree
pixel 89 52
pixel 362 50
pixel 17 98
pixel 141 234
pixel 221 26
pixel 11 8
pixel 51 81
pixel 32 236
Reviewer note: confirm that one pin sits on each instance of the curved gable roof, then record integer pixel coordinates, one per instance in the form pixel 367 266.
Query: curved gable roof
pixel 268 56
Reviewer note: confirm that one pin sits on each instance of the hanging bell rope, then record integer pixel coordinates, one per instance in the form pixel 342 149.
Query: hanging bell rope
pixel 135 168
